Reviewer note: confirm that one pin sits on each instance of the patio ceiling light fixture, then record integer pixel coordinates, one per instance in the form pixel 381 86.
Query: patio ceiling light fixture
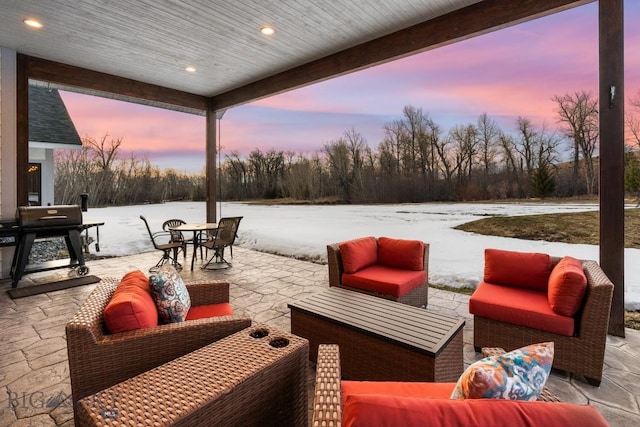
pixel 190 68
pixel 33 23
pixel 267 30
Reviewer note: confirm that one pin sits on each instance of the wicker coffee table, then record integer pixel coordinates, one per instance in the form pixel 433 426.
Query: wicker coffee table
pixel 255 377
pixel 380 339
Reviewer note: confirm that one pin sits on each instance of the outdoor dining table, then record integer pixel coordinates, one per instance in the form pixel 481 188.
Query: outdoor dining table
pixel 197 229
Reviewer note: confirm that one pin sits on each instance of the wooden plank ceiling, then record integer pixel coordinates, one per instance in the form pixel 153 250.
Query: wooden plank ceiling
pixel 152 41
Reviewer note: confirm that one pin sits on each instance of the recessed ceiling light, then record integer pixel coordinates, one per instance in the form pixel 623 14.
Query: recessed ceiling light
pixel 190 69
pixel 267 30
pixel 33 23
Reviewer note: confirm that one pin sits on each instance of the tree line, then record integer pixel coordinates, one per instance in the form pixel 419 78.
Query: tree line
pixel 112 180
pixel 417 161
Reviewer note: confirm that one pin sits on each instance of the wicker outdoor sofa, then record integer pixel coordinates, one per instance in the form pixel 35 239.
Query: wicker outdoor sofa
pixel 581 353
pixel 332 405
pixel 417 297
pixel 98 359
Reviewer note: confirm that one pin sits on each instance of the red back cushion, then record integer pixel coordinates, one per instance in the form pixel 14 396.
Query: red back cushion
pixel 131 306
pixel 567 285
pixel 401 253
pixel 523 269
pixel 358 254
pixel 383 410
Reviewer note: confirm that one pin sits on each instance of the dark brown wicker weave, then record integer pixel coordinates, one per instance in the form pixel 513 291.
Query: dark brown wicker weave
pixel 581 354
pixel 98 360
pixel 327 405
pixel 417 297
pixel 241 380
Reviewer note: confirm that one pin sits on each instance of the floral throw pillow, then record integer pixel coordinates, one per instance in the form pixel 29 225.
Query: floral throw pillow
pixel 170 294
pixel 518 375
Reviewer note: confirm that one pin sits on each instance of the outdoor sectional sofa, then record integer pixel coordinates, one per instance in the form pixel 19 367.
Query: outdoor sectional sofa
pixel 394 269
pixel 408 404
pixel 532 297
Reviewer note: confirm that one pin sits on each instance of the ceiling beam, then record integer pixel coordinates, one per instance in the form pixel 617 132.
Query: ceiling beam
pixel 479 18
pixel 97 83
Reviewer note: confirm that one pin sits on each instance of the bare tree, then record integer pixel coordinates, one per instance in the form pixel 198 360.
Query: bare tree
pixel 393 142
pixel 345 157
pixel 578 112
pixel 632 120
pixel 414 126
pixel 526 144
pixel 447 156
pixel 466 140
pixel 488 133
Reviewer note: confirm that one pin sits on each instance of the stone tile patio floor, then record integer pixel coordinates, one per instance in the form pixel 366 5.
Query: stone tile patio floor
pixel 34 373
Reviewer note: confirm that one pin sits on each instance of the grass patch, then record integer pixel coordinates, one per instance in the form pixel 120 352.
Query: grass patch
pixel 632 319
pixel 573 227
pixel 464 290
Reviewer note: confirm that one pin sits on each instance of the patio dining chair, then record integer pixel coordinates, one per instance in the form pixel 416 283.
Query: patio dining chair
pixel 224 236
pixel 176 236
pixel 161 240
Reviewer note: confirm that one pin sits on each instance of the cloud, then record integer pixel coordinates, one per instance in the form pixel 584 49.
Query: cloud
pixel 507 73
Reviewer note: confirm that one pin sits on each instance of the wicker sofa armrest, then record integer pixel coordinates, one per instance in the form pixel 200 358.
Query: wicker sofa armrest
pixel 334 260
pixel 593 317
pixel 327 404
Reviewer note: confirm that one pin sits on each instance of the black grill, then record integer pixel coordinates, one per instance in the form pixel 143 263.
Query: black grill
pixel 47 221
pixel 43 217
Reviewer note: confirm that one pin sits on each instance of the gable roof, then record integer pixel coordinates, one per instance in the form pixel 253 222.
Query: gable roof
pixel 49 120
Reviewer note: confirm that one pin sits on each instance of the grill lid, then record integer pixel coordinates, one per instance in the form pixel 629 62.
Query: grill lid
pixel 48 216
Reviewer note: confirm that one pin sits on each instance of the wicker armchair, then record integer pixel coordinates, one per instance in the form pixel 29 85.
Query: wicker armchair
pixel 417 297
pixel 581 354
pixel 98 360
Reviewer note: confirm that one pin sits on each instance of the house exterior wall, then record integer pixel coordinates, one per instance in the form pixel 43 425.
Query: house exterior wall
pixel 44 156
pixel 8 146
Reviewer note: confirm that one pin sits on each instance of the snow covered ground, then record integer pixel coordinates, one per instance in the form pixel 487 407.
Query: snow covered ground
pixel 456 257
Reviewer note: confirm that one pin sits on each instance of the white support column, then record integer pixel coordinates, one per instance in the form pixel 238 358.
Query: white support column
pixel 8 144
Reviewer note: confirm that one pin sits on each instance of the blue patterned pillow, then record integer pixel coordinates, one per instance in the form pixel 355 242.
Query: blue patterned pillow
pixel 518 375
pixel 170 294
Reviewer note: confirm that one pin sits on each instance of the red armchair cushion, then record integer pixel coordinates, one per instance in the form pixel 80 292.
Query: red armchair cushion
pixel 401 253
pixel 522 269
pixel 385 280
pixel 386 410
pixel 131 306
pixel 210 310
pixel 358 254
pixel 567 285
pixel 518 306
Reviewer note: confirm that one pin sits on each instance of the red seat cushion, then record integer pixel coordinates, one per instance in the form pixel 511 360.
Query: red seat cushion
pixel 567 285
pixel 385 410
pixel 210 310
pixel 131 306
pixel 385 280
pixel 358 254
pixel 519 306
pixel 522 269
pixel 401 253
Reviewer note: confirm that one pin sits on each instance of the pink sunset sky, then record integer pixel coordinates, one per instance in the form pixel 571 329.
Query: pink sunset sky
pixel 509 73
